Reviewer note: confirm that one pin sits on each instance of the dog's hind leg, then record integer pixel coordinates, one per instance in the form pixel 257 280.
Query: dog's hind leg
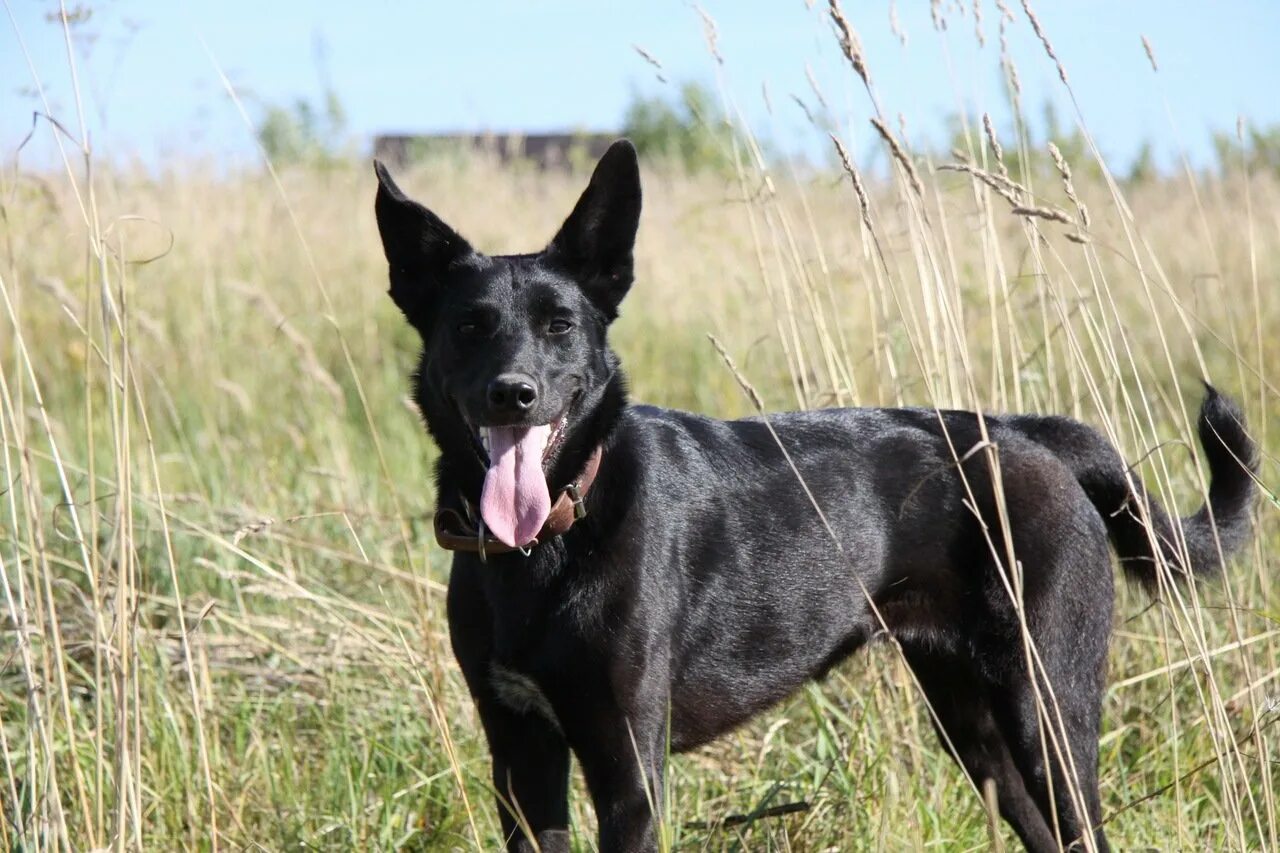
pixel 1052 723
pixel 1061 726
pixel 1065 588
pixel 961 701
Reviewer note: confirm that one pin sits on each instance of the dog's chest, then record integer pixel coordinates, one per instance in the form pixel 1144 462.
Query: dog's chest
pixel 520 693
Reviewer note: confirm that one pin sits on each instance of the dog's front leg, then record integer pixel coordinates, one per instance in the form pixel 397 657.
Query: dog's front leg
pixel 530 756
pixel 530 778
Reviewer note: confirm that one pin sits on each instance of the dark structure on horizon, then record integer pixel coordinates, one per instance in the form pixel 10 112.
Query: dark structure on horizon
pixel 546 150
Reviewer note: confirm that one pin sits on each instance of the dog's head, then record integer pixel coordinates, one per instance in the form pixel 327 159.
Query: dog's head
pixel 514 347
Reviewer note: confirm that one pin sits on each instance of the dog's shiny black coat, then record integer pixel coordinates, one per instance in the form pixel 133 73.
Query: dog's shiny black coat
pixel 704 586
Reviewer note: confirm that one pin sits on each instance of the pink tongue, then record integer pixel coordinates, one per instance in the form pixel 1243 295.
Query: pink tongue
pixel 515 502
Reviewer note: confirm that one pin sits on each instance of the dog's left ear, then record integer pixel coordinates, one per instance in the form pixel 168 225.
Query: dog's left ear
pixel 596 241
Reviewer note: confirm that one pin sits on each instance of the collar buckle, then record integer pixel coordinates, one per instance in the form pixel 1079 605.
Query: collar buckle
pixel 575 497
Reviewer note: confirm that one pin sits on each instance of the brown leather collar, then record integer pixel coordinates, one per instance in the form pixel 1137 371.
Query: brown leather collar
pixel 459 531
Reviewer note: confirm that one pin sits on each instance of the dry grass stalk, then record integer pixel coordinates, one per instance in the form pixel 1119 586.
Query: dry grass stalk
pixel 652 60
pixel 251 529
pixel 1051 214
pixel 899 154
pixel 280 322
pixel 804 108
pixel 1006 58
pixel 1044 39
pixel 850 44
pixel 1064 169
pixel 1151 54
pixel 1004 19
pixel 895 25
pixel 814 87
pixel 711 33
pixel 994 142
pixel 864 205
pixel 1015 82
pixel 55 287
pixel 1006 188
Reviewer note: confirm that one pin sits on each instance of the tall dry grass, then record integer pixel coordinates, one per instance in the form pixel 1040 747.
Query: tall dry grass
pixel 223 617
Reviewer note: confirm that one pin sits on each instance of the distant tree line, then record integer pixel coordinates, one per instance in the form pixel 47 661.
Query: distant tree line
pixel 691 131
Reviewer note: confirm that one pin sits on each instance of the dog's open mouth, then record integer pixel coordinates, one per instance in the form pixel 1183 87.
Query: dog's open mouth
pixel 552 437
pixel 515 500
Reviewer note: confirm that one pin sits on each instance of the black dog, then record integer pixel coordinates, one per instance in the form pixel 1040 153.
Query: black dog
pixel 632 579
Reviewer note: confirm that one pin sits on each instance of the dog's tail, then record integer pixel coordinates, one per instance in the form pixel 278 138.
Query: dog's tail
pixel 1223 522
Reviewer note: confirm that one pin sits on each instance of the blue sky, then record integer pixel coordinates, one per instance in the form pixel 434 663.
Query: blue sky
pixel 151 91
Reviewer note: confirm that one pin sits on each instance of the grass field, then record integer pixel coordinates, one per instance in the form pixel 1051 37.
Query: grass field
pixel 222 607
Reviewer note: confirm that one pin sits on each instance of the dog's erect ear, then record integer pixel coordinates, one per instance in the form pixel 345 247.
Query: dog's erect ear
pixel 418 244
pixel 596 241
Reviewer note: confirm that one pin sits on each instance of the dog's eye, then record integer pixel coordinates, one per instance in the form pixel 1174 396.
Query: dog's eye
pixel 559 327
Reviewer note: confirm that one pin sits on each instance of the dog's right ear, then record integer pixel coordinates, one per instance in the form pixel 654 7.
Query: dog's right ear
pixel 418 244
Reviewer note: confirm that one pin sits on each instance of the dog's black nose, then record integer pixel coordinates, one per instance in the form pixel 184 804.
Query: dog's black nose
pixel 512 393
